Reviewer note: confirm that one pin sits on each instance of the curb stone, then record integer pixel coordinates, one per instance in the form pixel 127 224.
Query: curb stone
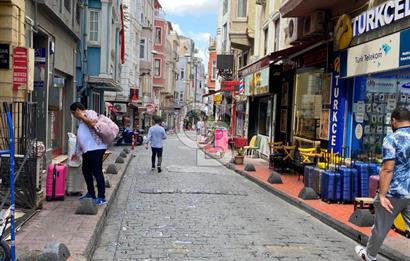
pixel 91 246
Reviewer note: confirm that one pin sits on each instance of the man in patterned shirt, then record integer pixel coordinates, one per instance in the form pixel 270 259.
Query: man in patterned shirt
pixel 394 192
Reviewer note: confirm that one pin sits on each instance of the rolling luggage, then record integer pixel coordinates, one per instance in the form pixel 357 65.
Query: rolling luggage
pixel 373 169
pixel 328 186
pixel 363 178
pixel 346 184
pixel 75 181
pixel 373 185
pixel 55 187
pixel 317 178
pixel 400 226
pixel 308 176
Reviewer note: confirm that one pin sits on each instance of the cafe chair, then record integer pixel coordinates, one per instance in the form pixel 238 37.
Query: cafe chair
pixel 254 146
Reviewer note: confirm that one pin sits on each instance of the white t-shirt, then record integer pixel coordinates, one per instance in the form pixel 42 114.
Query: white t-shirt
pixel 86 140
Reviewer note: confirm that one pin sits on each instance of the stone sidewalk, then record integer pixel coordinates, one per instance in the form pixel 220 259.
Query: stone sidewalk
pixel 396 247
pixel 57 220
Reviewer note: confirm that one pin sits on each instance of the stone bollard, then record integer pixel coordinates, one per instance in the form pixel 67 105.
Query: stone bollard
pixel 120 160
pixel 123 154
pixel 250 167
pixel 126 150
pixel 87 207
pixel 55 251
pixel 107 183
pixel 112 169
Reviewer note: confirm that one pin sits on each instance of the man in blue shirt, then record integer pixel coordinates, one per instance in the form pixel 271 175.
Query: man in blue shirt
pixel 156 136
pixel 394 192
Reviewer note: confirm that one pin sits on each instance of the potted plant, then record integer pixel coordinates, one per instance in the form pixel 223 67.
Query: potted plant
pixel 239 156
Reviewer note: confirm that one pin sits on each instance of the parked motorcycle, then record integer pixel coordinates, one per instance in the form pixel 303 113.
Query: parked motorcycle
pixel 126 135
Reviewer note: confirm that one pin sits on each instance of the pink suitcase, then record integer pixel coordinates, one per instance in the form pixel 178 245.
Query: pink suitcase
pixel 373 185
pixel 55 187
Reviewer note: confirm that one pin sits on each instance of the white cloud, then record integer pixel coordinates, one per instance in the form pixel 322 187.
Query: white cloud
pixel 179 7
pixel 177 28
pixel 203 55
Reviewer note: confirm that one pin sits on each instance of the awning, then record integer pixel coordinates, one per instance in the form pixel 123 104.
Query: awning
pixel 287 53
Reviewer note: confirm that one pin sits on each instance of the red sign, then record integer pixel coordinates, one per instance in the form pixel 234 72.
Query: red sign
pixel 20 69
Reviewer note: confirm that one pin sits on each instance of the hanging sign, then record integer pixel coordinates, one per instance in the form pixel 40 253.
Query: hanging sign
pixel 337 109
pixel 20 68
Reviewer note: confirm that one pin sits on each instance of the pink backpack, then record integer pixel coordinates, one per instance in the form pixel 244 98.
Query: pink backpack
pixel 106 129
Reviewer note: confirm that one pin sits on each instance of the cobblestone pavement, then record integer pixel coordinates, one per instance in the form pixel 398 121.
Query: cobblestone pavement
pixel 191 212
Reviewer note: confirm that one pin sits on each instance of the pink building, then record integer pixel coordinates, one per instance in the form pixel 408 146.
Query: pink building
pixel 159 61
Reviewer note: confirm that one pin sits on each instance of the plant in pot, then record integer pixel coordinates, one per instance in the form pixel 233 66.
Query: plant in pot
pixel 239 156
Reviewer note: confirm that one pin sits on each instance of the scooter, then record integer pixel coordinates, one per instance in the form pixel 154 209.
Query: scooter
pixel 126 137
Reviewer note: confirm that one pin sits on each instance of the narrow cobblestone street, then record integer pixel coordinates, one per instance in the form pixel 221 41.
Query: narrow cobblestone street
pixel 191 212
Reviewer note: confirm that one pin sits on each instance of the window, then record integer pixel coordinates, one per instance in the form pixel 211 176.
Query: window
pixel 67 5
pixel 276 42
pixel 177 76
pixel 158 35
pixel 242 8
pixel 77 12
pixel 266 38
pixel 94 27
pixel 157 67
pixel 142 49
pixel 214 71
pixel 225 37
pixel 182 74
pixel 225 7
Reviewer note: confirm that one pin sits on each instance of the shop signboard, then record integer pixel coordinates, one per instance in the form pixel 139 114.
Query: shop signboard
pixel 337 109
pixel 378 55
pixel 257 83
pixel 20 68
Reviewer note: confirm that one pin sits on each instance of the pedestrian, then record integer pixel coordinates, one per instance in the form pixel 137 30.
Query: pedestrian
pixel 156 136
pixel 394 192
pixel 92 149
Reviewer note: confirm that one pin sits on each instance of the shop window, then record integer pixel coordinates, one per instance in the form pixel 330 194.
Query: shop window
pixel 383 93
pixel 308 104
pixel 266 38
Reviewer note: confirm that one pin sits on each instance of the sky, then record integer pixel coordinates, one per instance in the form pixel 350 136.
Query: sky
pixel 195 19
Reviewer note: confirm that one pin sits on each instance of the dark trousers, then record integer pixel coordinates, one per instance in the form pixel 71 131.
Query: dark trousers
pixel 92 166
pixel 156 152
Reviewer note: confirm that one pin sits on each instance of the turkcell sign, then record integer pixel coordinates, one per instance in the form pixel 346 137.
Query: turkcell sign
pixel 381 15
pixel 337 112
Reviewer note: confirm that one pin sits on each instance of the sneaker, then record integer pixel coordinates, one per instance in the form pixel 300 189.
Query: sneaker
pixel 159 169
pixel 362 253
pixel 88 195
pixel 100 201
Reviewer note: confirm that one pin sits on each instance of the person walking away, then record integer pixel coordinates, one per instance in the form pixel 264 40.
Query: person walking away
pixel 92 149
pixel 156 136
pixel 394 193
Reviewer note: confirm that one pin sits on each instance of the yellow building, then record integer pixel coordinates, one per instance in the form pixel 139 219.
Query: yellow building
pixel 12 34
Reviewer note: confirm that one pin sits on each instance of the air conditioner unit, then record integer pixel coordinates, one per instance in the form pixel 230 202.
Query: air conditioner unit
pixel 293 30
pixel 315 23
pixel 260 2
pixel 121 107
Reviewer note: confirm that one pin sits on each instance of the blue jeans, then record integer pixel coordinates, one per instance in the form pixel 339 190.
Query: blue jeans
pixel 92 166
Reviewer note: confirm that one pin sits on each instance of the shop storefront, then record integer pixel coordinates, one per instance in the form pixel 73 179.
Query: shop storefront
pixel 311 107
pixel 377 80
pixel 259 121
